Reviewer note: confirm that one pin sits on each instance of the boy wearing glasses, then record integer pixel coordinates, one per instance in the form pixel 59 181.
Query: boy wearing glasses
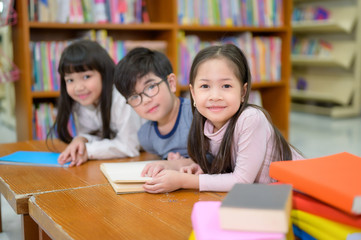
pixel 146 79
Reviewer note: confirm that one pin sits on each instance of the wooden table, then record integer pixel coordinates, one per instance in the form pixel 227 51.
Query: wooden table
pixel 97 212
pixel 19 183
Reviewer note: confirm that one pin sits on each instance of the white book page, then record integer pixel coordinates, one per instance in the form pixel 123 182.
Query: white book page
pixel 125 171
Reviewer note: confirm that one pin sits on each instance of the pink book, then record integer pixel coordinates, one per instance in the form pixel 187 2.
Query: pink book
pixel 205 222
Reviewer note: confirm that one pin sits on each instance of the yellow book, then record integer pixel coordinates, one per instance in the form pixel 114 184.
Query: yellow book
pixel 321 228
pixel 192 236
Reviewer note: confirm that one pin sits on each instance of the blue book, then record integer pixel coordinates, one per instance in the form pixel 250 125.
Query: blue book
pixel 301 234
pixel 33 158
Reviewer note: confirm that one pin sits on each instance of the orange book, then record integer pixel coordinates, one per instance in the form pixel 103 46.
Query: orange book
pixel 311 205
pixel 333 179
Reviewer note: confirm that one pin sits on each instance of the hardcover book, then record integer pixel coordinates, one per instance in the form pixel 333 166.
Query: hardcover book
pixel 33 158
pixel 322 228
pixel 311 205
pixel 257 207
pixel 333 179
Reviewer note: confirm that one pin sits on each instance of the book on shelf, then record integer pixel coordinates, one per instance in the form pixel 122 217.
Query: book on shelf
pixel 33 158
pixel 322 228
pixel 206 225
pixel 89 11
pixel 231 13
pixel 44 116
pixel 46 55
pixel 311 205
pixel 260 51
pixel 125 177
pixel 257 207
pixel 333 179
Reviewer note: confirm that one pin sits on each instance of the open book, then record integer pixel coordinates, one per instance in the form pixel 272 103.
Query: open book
pixel 125 176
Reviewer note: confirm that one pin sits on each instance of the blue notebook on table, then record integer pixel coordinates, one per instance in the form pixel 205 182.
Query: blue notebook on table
pixel 33 158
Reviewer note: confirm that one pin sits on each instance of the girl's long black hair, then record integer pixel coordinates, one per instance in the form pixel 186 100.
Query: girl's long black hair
pixel 80 56
pixel 198 143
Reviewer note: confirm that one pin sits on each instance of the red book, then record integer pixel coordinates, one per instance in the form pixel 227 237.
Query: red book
pixel 311 205
pixel 333 179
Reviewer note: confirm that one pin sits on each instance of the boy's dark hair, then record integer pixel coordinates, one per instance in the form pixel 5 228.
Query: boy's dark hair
pixel 136 64
pixel 198 144
pixel 80 56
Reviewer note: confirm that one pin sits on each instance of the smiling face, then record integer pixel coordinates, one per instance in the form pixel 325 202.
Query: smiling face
pixel 159 107
pixel 84 87
pixel 217 92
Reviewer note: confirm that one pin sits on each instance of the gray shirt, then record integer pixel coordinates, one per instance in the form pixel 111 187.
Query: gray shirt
pixel 175 141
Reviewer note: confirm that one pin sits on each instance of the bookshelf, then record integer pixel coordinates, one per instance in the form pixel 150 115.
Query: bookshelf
pixel 328 84
pixel 163 26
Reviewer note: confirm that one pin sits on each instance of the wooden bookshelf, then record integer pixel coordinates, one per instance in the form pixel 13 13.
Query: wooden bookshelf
pixel 163 26
pixel 333 81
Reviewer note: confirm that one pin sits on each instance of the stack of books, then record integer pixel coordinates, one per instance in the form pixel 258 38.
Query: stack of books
pixel 249 211
pixel 326 196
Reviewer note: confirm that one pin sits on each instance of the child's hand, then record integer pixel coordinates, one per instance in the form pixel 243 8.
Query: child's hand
pixel 75 153
pixel 192 169
pixel 174 156
pixel 152 169
pixel 165 181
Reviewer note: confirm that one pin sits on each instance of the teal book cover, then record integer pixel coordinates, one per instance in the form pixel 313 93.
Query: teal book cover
pixel 33 158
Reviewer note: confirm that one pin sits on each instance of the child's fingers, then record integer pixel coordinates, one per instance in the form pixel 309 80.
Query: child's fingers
pixel 81 149
pixel 63 158
pixel 63 155
pixel 145 170
pixel 80 163
pixel 170 156
pixel 157 169
pixel 72 164
pixel 73 154
pixel 75 162
pixel 173 156
pixel 185 170
pixel 151 188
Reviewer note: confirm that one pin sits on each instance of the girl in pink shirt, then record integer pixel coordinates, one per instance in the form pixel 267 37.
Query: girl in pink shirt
pixel 230 140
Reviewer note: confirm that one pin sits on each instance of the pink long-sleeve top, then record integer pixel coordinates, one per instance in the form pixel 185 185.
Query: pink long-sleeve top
pixel 251 153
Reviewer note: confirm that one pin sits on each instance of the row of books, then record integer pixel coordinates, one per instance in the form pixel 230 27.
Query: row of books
pixel 117 49
pixel 263 54
pixel 45 59
pixel 311 46
pixel 310 13
pixel 264 13
pixel 88 11
pixel 44 117
pixel 46 56
pixel 326 196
